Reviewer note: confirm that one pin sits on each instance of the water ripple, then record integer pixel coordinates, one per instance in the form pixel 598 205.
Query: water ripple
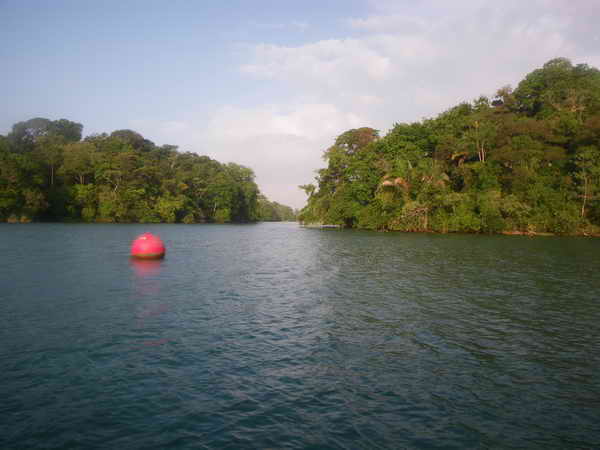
pixel 273 336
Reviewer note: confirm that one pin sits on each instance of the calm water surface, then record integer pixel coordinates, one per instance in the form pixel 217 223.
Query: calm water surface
pixel 273 336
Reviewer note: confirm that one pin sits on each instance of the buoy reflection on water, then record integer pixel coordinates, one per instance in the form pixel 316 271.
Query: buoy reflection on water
pixel 147 272
pixel 145 268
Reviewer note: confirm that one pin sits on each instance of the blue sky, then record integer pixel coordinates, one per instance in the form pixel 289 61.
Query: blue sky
pixel 270 84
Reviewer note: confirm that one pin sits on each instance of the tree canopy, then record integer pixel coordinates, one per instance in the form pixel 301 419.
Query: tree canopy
pixel 526 160
pixel 47 172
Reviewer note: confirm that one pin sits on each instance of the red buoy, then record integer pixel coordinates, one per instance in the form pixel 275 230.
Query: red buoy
pixel 148 246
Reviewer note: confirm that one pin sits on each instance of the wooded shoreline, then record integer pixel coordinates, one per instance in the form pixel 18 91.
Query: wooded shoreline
pixel 524 162
pixel 49 173
pixel 505 233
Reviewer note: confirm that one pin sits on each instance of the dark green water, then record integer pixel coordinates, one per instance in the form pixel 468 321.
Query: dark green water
pixel 273 336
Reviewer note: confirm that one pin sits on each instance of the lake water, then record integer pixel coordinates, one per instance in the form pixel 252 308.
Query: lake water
pixel 274 336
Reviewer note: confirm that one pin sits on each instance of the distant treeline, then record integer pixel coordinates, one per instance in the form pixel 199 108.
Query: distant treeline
pixel 274 212
pixel 524 161
pixel 47 172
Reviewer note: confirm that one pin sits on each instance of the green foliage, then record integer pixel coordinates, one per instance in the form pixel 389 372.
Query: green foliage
pixel 274 212
pixel 25 135
pixel 222 215
pixel 526 161
pixel 560 89
pixel 48 173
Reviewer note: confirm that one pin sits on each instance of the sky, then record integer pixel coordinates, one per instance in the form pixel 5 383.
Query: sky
pixel 271 84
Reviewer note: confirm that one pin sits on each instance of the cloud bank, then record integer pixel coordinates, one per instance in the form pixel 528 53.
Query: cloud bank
pixel 395 65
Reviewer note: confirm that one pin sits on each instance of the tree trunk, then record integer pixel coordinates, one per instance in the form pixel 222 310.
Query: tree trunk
pixel 585 194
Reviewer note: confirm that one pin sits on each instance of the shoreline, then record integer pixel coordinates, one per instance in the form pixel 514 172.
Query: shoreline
pixel 319 226
pixel 504 233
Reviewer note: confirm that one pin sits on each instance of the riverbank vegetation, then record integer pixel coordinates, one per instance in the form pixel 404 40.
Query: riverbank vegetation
pixel 47 172
pixel 525 161
pixel 269 211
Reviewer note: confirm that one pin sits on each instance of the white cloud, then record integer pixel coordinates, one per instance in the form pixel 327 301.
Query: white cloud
pixel 305 120
pixel 325 62
pixel 283 145
pixel 421 61
pixel 402 63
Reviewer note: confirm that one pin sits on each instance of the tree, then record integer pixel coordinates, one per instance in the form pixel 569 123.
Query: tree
pixel 134 139
pixel 588 175
pixel 309 189
pixel 70 131
pixel 24 135
pixel 77 161
pixel 560 88
pixel 50 150
pixel 512 163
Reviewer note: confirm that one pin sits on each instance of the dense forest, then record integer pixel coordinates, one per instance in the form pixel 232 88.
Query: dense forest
pixel 47 172
pixel 525 161
pixel 269 211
